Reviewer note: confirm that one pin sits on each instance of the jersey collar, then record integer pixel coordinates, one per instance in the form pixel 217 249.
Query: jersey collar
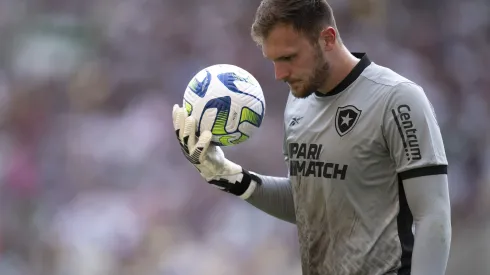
pixel 351 77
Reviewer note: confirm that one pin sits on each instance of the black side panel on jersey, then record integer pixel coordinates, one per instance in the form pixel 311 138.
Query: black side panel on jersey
pixel 404 224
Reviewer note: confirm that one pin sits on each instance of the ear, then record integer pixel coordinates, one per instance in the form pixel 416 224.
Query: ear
pixel 328 38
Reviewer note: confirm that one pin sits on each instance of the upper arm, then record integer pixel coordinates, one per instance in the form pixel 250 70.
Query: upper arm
pixel 428 195
pixel 412 134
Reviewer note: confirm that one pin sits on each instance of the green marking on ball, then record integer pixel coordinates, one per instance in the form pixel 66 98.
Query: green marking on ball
pixel 251 116
pixel 220 123
pixel 228 139
pixel 188 108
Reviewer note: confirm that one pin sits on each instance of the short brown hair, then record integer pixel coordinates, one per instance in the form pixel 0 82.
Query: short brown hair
pixel 308 17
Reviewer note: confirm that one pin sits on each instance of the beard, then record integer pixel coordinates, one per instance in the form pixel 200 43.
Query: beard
pixel 316 80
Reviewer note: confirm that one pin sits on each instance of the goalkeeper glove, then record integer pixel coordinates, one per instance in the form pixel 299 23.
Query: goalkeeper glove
pixel 209 159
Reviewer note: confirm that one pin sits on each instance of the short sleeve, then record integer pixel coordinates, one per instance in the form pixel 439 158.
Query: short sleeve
pixel 412 134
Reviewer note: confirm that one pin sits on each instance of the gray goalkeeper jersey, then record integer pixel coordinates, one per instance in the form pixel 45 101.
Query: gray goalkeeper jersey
pixel 347 154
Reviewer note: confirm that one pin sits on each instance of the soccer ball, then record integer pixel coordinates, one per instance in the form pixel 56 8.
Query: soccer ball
pixel 226 100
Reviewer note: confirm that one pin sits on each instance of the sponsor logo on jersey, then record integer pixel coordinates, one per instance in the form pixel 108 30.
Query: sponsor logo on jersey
pixel 408 132
pixel 346 118
pixel 304 160
pixel 295 121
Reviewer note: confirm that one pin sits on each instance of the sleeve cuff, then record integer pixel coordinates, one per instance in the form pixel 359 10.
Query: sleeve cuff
pixel 423 171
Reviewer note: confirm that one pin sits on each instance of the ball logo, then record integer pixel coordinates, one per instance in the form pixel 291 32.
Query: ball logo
pixel 200 87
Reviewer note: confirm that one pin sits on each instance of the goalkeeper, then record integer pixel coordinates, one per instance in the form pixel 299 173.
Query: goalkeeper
pixel 367 185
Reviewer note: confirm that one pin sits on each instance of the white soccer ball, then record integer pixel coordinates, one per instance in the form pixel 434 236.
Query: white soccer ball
pixel 226 100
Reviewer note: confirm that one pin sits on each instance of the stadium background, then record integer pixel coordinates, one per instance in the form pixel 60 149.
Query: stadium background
pixel 92 179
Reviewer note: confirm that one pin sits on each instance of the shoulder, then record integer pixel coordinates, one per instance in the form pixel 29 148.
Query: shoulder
pixel 393 88
pixel 382 76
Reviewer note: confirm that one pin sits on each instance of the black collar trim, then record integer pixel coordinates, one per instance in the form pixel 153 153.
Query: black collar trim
pixel 351 77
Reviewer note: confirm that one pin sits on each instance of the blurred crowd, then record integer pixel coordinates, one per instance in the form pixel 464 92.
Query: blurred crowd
pixel 92 181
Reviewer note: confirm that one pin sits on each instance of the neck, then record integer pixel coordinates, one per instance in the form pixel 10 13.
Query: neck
pixel 341 66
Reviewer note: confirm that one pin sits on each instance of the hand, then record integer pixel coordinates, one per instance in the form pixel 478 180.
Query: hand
pixel 209 159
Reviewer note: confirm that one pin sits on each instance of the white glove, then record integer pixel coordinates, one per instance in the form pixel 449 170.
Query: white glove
pixel 209 159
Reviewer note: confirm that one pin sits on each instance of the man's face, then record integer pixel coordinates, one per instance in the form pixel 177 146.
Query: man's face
pixel 297 61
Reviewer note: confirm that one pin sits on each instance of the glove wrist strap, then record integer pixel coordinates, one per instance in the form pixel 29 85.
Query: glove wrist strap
pixel 243 188
pixel 248 185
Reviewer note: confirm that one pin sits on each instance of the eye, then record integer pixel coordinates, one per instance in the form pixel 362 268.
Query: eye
pixel 287 58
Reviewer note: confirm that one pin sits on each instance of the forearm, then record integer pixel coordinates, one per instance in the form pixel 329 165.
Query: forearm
pixel 428 198
pixel 432 244
pixel 274 196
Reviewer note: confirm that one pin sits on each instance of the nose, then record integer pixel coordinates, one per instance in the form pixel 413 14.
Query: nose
pixel 281 72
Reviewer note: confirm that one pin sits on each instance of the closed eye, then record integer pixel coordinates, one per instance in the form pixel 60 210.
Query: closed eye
pixel 286 58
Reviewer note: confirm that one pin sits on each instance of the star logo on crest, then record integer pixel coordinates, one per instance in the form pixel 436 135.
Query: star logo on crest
pixel 346 118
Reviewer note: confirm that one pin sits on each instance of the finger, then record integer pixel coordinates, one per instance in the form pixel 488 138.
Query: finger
pixel 175 111
pixel 203 144
pixel 189 135
pixel 181 115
